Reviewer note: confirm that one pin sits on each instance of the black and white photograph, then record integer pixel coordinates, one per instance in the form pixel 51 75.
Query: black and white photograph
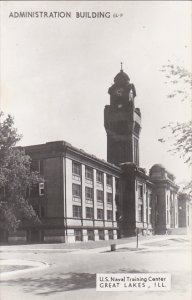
pixel 95 150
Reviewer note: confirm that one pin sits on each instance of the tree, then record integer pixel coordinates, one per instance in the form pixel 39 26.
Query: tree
pixel 181 133
pixel 180 80
pixel 16 179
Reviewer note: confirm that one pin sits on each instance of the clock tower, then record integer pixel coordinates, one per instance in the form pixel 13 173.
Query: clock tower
pixel 122 122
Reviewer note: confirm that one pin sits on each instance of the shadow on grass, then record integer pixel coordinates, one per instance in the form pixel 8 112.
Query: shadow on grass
pixel 50 284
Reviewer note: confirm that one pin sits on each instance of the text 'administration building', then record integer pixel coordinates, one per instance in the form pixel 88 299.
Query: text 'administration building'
pixel 84 198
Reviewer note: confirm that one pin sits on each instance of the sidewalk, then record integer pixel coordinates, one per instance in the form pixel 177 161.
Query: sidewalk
pixel 85 245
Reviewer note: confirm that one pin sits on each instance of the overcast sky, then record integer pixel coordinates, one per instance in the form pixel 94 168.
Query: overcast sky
pixel 55 73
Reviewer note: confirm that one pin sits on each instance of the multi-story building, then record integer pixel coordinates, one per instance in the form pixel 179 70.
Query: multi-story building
pixel 83 198
pixel 76 200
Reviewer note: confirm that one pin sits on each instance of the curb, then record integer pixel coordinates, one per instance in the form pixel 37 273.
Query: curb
pixel 35 266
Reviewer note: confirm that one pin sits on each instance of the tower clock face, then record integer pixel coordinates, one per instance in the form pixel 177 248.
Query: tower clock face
pixel 119 92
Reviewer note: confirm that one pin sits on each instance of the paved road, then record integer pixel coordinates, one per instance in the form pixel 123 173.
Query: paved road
pixel 71 274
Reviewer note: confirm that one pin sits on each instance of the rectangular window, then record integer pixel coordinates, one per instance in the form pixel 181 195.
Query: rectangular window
pixel 99 214
pixel 140 213
pixel 99 177
pixel 109 180
pixel 136 151
pixel 99 196
pixel 90 234
pixel 76 190
pixel 78 235
pixel 41 189
pixel 76 171
pixel 109 198
pixel 101 234
pixel 140 191
pixel 76 168
pixel 167 216
pixel 89 212
pixel 88 193
pixel 77 211
pixel 110 233
pixel 109 215
pixel 88 173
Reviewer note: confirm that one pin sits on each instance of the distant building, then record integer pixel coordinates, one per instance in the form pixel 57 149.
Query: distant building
pixel 84 198
pixel 165 202
pixel 184 213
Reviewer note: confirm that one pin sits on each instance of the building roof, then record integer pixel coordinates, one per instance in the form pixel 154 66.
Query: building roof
pixel 57 147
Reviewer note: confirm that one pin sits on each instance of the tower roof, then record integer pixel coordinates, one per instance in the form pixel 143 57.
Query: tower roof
pixel 121 77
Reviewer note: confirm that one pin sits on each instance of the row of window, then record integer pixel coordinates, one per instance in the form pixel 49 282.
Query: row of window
pixel 141 214
pixel 91 235
pixel 76 170
pixel 76 192
pixel 77 213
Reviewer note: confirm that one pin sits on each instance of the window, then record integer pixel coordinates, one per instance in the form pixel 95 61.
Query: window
pixel 88 173
pixel 76 168
pixel 76 211
pixel 99 177
pixel 76 190
pixel 100 214
pixel 150 209
pixel 136 151
pixel 140 213
pixel 109 180
pixel 167 214
pixel 140 191
pixel 78 235
pixel 88 193
pixel 101 234
pixel 109 215
pixel 109 198
pixel 41 189
pixel 110 233
pixel 89 212
pixel 99 196
pixel 90 234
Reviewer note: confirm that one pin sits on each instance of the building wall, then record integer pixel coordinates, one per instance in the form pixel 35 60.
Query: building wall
pixel 82 203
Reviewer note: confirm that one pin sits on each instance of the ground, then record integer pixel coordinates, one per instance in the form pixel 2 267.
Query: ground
pixel 69 271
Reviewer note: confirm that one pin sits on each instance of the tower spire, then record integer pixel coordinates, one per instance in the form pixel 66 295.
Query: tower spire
pixel 121 66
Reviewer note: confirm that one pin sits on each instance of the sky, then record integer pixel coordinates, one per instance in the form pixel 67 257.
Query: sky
pixel 55 72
